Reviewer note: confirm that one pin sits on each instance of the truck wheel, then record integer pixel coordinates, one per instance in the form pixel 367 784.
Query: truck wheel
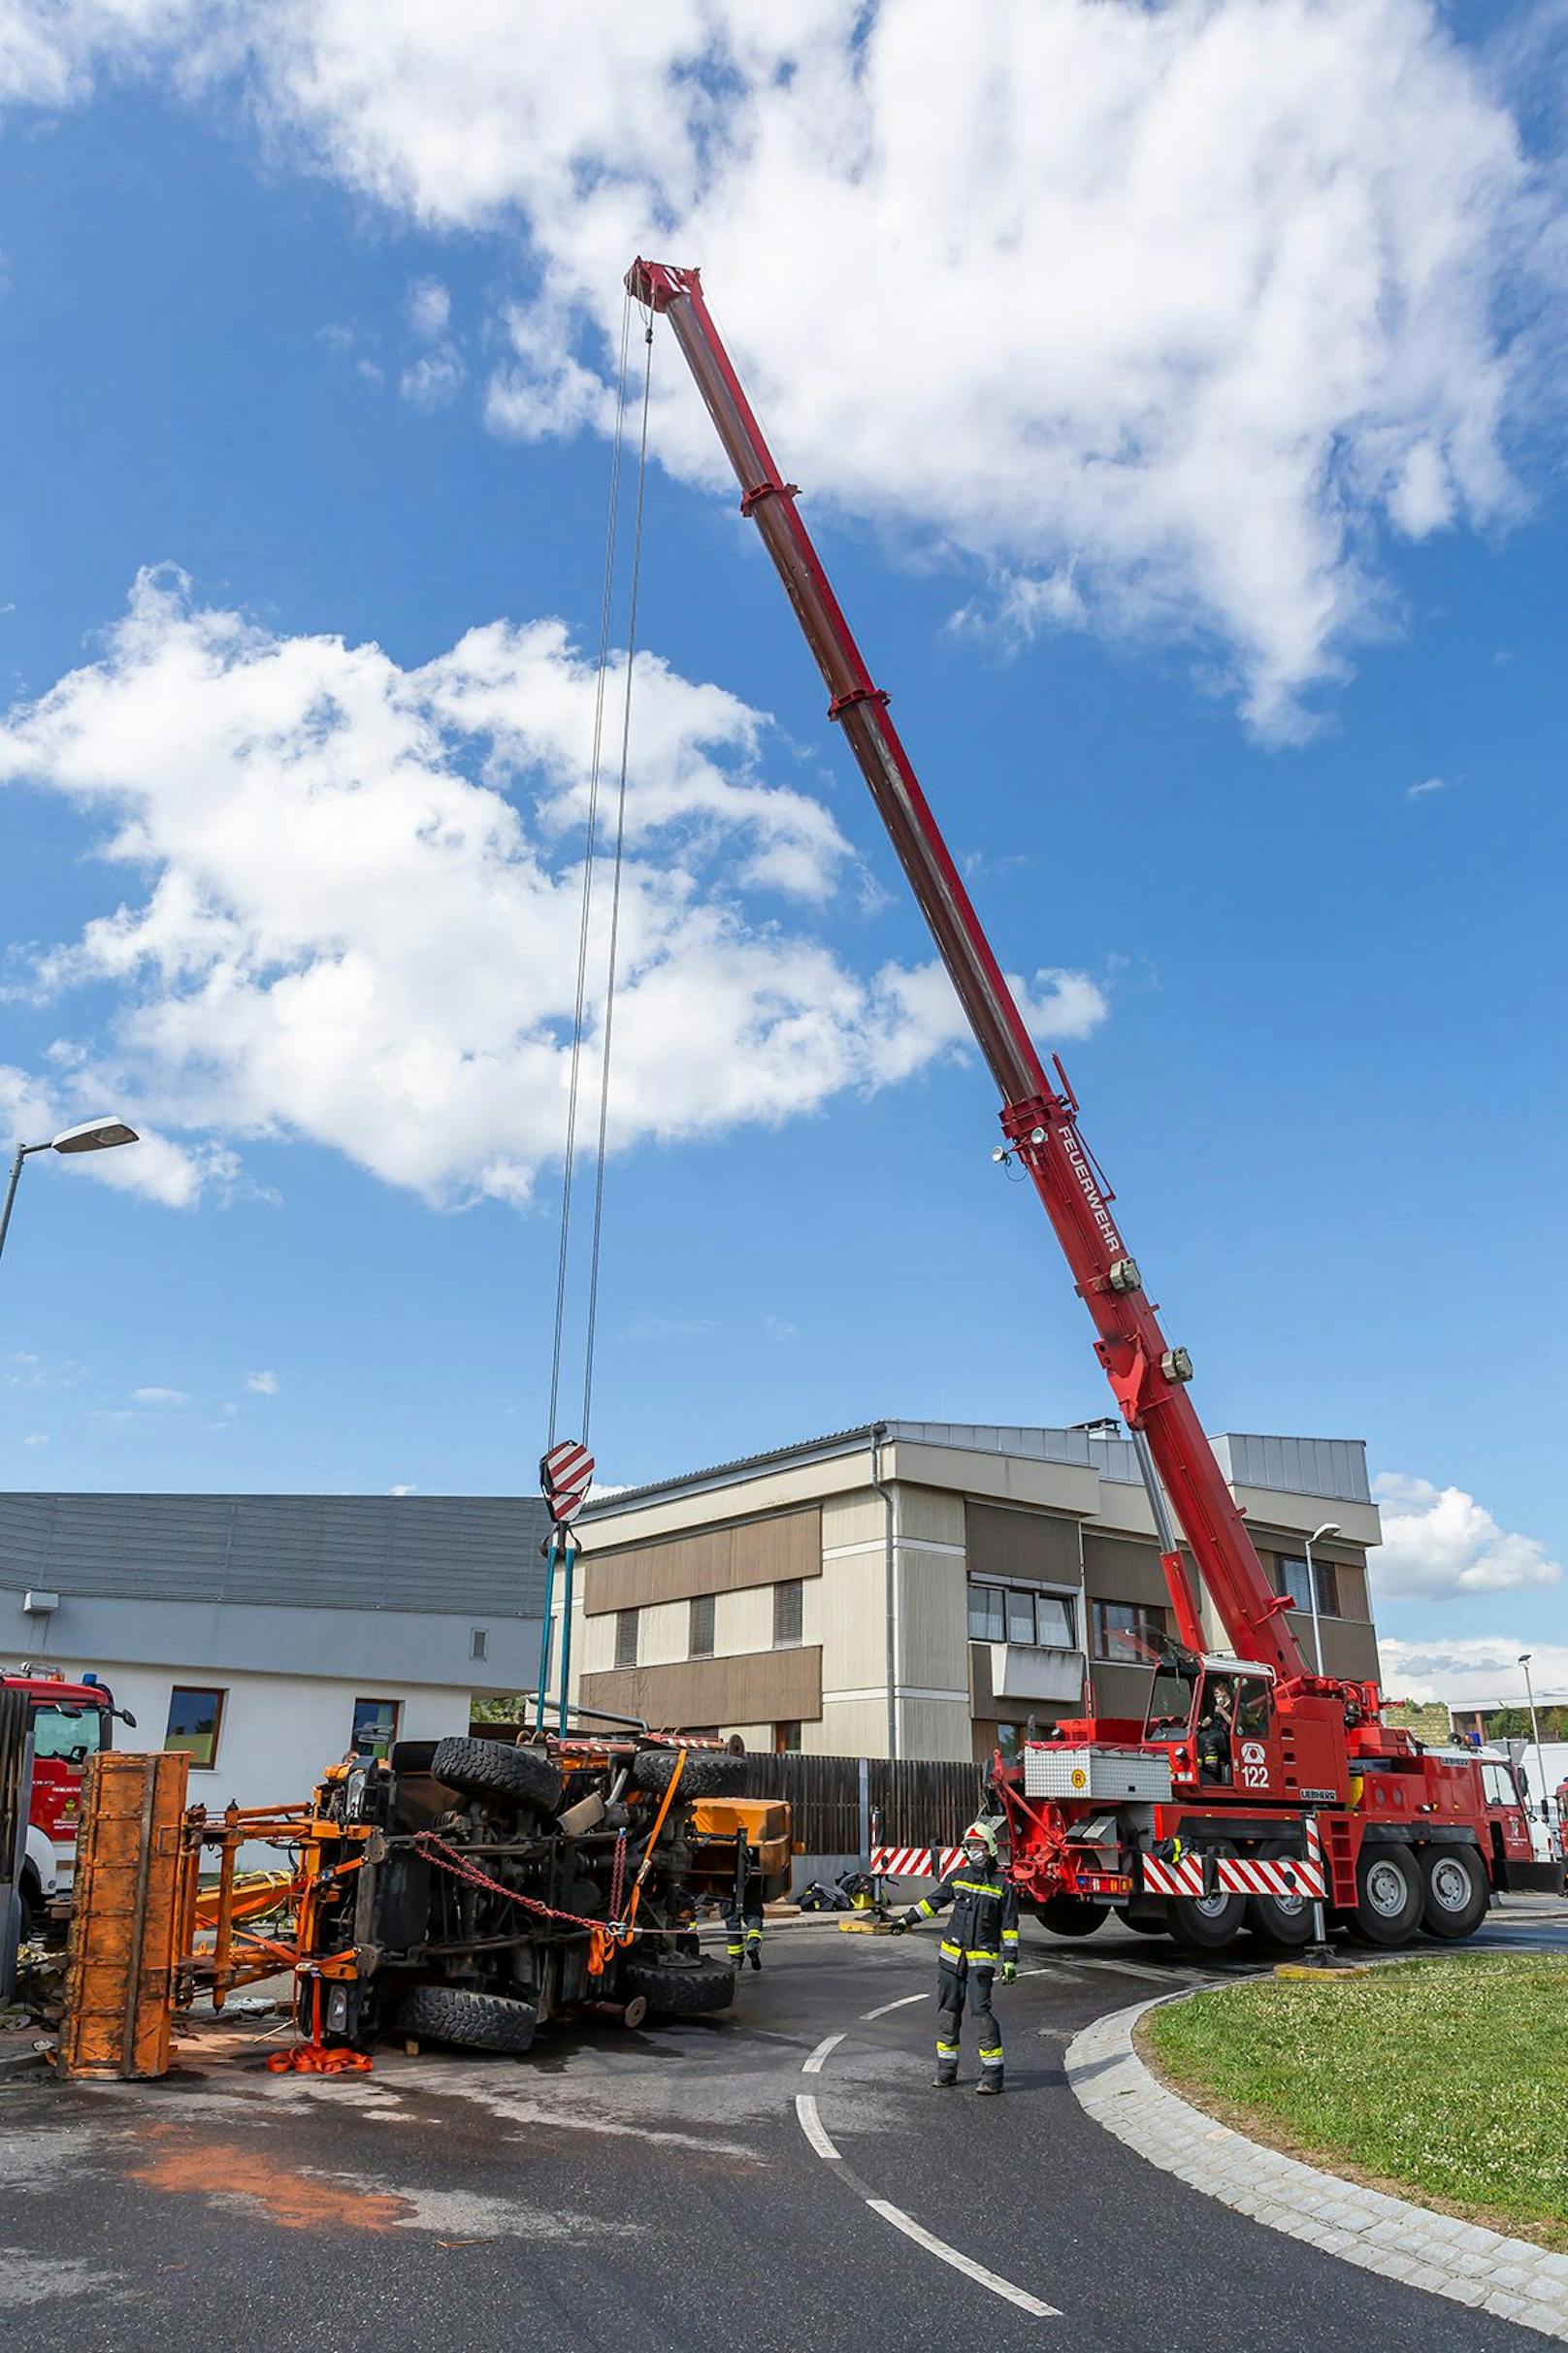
pixel 1208 1923
pixel 1281 1919
pixel 1070 1915
pixel 1389 1895
pixel 489 1768
pixel 451 2013
pixel 678 1989
pixel 709 1772
pixel 1456 1891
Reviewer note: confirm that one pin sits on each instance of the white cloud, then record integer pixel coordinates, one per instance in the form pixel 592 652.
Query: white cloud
pixel 403 1490
pixel 1473 1671
pixel 435 380
pixel 1439 1543
pixel 159 1396
pixel 1161 317
pixel 351 900
pixel 265 1384
pixel 429 308
pixel 1428 785
pixel 31 1110
pixel 36 1438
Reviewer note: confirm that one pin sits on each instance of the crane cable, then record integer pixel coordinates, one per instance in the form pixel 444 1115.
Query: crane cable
pixel 585 918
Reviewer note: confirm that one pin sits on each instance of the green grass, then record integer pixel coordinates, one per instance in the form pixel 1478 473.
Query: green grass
pixel 1444 2080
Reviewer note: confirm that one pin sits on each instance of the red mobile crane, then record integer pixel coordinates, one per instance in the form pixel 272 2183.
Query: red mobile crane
pixel 1191 1820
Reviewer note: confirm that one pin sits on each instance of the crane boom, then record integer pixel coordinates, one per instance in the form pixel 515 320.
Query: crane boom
pixel 1038 1118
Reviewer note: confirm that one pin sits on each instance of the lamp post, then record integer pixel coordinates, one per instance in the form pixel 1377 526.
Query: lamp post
pixel 1331 1527
pixel 91 1135
pixel 1535 1729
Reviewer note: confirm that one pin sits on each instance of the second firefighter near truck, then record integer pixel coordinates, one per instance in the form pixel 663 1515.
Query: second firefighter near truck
pixel 982 1936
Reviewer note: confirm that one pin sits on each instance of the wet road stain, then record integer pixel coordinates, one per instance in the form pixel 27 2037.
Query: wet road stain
pixel 202 2168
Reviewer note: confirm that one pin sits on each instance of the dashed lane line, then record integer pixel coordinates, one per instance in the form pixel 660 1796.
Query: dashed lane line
pixel 805 2107
pixel 903 2002
pixel 811 2124
pixel 965 2263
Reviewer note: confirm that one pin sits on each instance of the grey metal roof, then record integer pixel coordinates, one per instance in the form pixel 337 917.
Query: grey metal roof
pixel 1293 1466
pixel 433 1552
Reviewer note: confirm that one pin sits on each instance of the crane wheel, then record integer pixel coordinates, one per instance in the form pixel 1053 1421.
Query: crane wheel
pixel 1281 1919
pixel 473 2021
pixel 708 1773
pixel 1391 1895
pixel 1456 1891
pixel 492 1769
pixel 1070 1915
pixel 1208 1923
pixel 677 1990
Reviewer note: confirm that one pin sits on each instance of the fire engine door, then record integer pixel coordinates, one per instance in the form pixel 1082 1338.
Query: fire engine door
pixel 1255 1747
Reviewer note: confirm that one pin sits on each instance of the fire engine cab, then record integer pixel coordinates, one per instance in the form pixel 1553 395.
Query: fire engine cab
pixel 70 1722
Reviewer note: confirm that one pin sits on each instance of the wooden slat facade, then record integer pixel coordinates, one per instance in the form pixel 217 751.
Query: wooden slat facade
pixel 757 1687
pixel 718 1560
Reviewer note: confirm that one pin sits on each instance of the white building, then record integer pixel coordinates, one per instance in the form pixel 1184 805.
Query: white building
pixel 268 1634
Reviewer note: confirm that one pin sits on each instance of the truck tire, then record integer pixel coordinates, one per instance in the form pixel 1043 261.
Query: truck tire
pixel 490 1768
pixel 473 2021
pixel 1456 1891
pixel 1070 1915
pixel 1208 1923
pixel 1281 1919
pixel 1391 1895
pixel 709 1772
pixel 412 1755
pixel 677 1990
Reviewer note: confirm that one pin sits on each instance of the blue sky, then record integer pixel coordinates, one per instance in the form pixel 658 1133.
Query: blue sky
pixel 1184 579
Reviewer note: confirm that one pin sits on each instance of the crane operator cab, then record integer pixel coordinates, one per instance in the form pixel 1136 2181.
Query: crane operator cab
pixel 1216 1714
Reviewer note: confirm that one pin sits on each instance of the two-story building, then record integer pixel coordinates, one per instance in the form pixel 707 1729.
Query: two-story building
pixel 923 1589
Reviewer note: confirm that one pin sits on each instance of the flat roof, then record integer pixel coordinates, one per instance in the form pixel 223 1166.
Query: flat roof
pixel 1284 1464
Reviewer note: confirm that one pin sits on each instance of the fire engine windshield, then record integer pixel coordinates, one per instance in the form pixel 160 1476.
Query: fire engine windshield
pixel 69 1734
pixel 1170 1699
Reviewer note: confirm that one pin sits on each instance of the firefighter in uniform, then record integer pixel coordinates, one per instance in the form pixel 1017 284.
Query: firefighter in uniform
pixel 744 1918
pixel 982 1936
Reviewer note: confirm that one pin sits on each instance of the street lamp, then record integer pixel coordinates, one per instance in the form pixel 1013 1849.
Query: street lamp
pixel 1535 1730
pixel 90 1135
pixel 1331 1527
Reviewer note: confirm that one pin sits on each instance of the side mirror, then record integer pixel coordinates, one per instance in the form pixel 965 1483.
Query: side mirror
pixel 125 1716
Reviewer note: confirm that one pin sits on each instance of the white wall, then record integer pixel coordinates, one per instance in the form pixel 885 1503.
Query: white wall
pixel 278 1731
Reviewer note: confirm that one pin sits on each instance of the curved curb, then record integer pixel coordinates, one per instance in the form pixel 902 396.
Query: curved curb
pixel 1470 2265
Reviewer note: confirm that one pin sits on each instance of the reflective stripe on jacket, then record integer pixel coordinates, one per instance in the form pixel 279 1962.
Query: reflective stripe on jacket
pixel 984 1928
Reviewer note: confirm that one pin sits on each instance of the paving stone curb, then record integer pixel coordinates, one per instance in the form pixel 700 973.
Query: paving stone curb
pixel 1469 2265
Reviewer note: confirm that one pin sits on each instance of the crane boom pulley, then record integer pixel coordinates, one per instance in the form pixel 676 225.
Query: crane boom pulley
pixel 1147 1375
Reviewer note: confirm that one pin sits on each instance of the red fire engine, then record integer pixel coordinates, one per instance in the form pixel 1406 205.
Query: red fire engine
pixel 71 1722
pixel 1252 1788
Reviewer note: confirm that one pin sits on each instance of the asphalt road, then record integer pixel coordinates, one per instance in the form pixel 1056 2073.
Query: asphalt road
pixel 663 2190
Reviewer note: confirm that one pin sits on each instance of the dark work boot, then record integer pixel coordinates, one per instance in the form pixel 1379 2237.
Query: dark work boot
pixel 947 2071
pixel 990 2082
pixel 756 1958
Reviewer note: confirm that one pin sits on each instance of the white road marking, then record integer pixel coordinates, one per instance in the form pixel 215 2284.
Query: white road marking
pixel 965 2263
pixel 806 2109
pixel 813 2065
pixel 1071 1970
pixel 903 2002
pixel 1126 1969
pixel 1062 2033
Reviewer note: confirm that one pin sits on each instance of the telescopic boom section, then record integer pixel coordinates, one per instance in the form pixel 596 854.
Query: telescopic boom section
pixel 1039 1119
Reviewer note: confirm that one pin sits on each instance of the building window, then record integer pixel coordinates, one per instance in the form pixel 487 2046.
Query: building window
pixel 375 1727
pixel 1018 1614
pixel 479 1643
pixel 788 1602
pixel 700 1635
pixel 195 1718
pixel 1291 1577
pixel 1124 1632
pixel 1007 1742
pixel 787 1736
pixel 626 1638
